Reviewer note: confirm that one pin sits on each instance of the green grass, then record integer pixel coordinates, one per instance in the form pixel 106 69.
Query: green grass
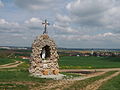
pixel 19 76
pixel 23 50
pixel 70 75
pixel 73 62
pixel 22 54
pixel 23 66
pixel 23 60
pixel 112 84
pixel 6 61
pixel 22 75
pixel 81 84
pixel 13 87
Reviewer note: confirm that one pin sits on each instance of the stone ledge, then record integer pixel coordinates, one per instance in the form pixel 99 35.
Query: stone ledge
pixel 55 77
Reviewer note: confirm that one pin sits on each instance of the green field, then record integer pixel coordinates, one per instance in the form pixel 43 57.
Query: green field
pixel 112 84
pixel 73 62
pixel 13 87
pixel 6 61
pixel 77 85
pixel 11 77
pixel 21 74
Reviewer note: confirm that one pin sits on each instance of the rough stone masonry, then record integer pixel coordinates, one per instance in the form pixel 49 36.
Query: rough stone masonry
pixel 44 57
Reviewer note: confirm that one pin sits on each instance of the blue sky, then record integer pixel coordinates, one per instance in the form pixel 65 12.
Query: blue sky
pixel 73 23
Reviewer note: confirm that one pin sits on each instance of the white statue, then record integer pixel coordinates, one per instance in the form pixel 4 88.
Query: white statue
pixel 43 53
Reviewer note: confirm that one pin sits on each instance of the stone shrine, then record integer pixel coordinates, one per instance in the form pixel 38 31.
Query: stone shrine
pixel 44 57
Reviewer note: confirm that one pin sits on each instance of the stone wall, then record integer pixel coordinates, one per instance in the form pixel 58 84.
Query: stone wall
pixel 49 65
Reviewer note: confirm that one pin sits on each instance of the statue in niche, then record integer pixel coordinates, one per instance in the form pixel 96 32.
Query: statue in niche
pixel 43 53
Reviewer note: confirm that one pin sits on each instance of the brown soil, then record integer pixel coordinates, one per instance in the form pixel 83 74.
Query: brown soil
pixel 61 84
pixel 79 70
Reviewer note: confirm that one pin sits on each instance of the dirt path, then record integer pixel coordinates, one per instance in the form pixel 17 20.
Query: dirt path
pixel 57 85
pixel 61 84
pixel 88 76
pixel 11 65
pixel 78 70
pixel 95 85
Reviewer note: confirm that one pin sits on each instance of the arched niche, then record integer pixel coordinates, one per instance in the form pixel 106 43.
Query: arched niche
pixel 45 53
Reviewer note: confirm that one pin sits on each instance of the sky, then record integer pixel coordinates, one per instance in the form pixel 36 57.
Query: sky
pixel 73 23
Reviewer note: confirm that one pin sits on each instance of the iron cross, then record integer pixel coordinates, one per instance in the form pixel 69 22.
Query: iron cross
pixel 45 29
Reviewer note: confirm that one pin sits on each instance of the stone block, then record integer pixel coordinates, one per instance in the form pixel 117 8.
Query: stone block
pixel 45 72
pixel 56 72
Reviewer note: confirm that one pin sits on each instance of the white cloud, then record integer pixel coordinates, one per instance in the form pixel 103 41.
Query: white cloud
pixel 81 23
pixel 93 12
pixel 64 30
pixel 107 34
pixel 112 18
pixel 18 29
pixel 86 16
pixel 19 33
pixel 35 4
pixel 1 4
pixel 98 37
pixel 86 8
pixel 2 21
pixel 63 19
pixel 33 24
pixel 8 27
pixel 34 20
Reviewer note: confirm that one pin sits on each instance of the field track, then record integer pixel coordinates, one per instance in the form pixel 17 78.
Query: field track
pixel 78 70
pixel 66 83
pixel 62 84
pixel 95 85
pixel 11 65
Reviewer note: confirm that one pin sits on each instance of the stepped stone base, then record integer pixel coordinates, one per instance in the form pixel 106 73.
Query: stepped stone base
pixel 55 77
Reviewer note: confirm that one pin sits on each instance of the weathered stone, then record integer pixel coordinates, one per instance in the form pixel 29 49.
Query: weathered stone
pixel 56 72
pixel 47 65
pixel 45 72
